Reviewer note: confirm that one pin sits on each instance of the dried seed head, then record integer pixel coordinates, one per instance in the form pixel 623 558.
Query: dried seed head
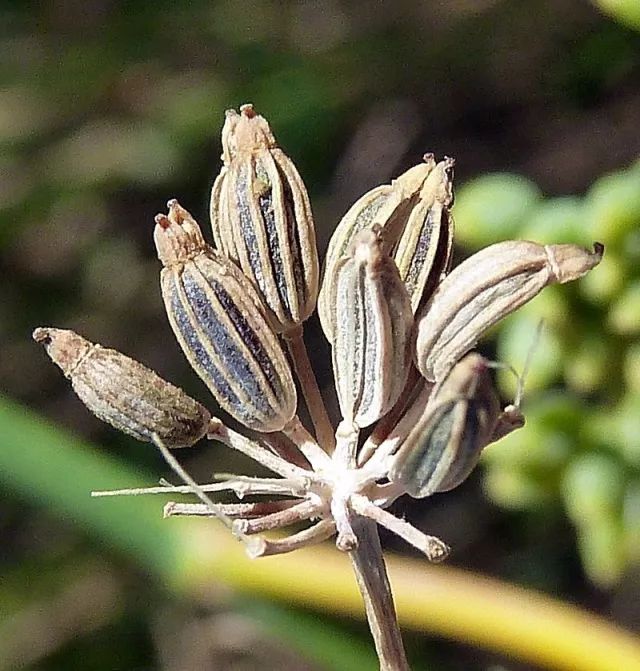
pixel 372 320
pixel 123 392
pixel 261 218
pixel 219 321
pixel 485 288
pixel 440 443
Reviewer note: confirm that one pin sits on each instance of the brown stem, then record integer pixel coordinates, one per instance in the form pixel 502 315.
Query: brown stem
pixel 277 519
pixel 371 574
pixel 310 536
pixel 310 389
pixel 434 549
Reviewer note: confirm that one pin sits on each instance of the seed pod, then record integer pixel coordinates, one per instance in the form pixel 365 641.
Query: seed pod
pixel 440 443
pixel 261 218
pixel 423 252
pixel 372 322
pixel 219 321
pixel 485 288
pixel 413 211
pixel 123 392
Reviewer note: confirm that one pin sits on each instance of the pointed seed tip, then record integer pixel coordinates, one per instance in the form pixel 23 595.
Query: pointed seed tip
pixel 172 202
pixel 162 220
pixel 598 250
pixel 41 334
pixel 247 110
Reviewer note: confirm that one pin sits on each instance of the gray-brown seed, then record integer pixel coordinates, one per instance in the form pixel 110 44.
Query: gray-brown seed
pixel 261 219
pixel 372 321
pixel 414 213
pixel 439 444
pixel 124 393
pixel 485 288
pixel 220 323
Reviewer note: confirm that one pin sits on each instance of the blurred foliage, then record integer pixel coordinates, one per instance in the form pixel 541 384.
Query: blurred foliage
pixel 581 445
pixel 108 109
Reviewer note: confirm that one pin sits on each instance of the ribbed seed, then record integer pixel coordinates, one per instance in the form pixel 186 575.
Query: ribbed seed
pixel 123 392
pixel 372 320
pixel 423 251
pixel 386 206
pixel 219 321
pixel 485 288
pixel 439 444
pixel 261 218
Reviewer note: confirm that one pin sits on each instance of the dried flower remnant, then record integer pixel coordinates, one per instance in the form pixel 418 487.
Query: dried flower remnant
pixel 123 392
pixel 386 261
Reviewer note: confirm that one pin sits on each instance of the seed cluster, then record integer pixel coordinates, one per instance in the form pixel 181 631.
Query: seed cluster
pixel 400 325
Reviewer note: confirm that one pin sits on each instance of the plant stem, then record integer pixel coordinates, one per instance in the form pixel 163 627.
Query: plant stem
pixel 310 389
pixel 371 574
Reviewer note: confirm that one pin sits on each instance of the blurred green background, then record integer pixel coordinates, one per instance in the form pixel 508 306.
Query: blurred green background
pixel 107 109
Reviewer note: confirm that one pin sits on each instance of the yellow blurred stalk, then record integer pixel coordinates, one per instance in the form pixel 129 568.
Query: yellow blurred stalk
pixel 439 600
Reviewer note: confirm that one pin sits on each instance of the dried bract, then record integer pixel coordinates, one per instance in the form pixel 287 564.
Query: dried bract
pixel 219 322
pixel 371 320
pixel 123 392
pixel 485 288
pixel 261 218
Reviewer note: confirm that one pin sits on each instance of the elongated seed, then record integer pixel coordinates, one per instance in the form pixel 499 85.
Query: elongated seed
pixel 261 218
pixel 485 288
pixel 219 321
pixel 123 392
pixel 440 444
pixel 386 206
pixel 423 252
pixel 372 321
pixel 414 213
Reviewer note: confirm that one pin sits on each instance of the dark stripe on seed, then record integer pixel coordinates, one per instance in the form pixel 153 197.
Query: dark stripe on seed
pixel 293 237
pixel 242 196
pixel 215 377
pixel 265 205
pixel 224 344
pixel 421 252
pixel 248 336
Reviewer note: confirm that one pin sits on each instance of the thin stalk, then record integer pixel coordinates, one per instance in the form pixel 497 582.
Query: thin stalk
pixel 371 574
pixel 307 444
pixel 434 549
pixel 310 390
pixel 314 534
pixel 278 519
pixel 262 455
